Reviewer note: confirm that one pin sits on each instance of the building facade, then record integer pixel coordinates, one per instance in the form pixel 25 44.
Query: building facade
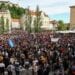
pixel 5 14
pixel 45 21
pixel 15 23
pixel 46 24
pixel 72 18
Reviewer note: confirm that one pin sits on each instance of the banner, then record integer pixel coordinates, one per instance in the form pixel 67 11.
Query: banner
pixel 54 39
pixel 11 43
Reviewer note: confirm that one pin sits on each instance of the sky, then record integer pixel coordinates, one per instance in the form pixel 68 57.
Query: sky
pixel 56 9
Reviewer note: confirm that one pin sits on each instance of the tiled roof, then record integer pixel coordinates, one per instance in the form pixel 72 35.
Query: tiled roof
pixel 4 1
pixel 53 22
pixel 15 20
pixel 34 13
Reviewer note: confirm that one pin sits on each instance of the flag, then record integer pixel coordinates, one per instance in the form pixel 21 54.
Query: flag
pixel 11 43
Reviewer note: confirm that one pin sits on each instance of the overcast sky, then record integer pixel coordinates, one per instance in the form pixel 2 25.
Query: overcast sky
pixel 56 9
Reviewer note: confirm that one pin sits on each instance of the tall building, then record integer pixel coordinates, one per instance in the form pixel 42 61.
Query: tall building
pixel 72 18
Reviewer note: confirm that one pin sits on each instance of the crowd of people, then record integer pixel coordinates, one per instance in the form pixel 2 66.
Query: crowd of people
pixel 36 54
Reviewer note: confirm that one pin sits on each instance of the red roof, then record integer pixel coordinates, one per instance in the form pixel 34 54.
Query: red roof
pixel 34 13
pixel 15 20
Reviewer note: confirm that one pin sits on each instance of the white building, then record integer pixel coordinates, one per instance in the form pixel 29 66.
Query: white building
pixel 45 21
pixel 46 24
pixel 53 24
pixel 15 23
pixel 6 16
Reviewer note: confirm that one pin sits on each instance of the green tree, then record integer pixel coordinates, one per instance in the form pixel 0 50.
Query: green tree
pixel 7 25
pixel 28 21
pixel 61 25
pixel 2 25
pixel 37 21
pixel 16 12
pixel 3 6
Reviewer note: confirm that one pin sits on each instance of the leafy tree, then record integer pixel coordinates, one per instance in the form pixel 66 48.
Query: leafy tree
pixel 3 6
pixel 67 26
pixel 37 21
pixel 2 25
pixel 61 25
pixel 7 25
pixel 28 21
pixel 16 12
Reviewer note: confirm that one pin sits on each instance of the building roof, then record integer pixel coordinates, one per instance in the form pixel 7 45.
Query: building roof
pixel 33 13
pixel 53 22
pixel 4 1
pixel 15 20
pixel 45 14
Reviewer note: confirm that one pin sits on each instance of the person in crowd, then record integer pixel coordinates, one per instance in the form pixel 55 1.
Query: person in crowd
pixel 37 52
pixel 2 65
pixel 43 66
